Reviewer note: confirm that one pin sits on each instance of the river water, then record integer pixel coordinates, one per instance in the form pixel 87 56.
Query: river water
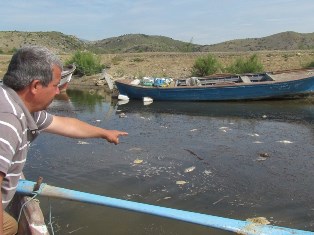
pixel 236 160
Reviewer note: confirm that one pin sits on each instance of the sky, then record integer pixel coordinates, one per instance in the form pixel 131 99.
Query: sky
pixel 203 22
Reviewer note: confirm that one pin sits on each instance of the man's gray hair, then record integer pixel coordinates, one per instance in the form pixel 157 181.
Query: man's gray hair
pixel 28 64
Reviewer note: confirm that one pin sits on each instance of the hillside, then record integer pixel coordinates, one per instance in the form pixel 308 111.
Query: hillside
pixel 281 41
pixel 136 43
pixel 141 43
pixel 56 41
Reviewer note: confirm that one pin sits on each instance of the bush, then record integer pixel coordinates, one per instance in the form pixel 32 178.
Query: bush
pixel 205 66
pixel 251 65
pixel 310 64
pixel 86 63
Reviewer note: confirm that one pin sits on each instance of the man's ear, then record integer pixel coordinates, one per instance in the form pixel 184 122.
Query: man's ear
pixel 35 86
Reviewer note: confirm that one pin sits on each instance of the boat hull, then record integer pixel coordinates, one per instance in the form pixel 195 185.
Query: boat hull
pixel 66 77
pixel 251 91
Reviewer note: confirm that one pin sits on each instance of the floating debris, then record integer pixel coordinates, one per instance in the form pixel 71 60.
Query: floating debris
pixel 135 149
pixel 98 120
pixel 181 182
pixel 82 142
pixel 138 161
pixel 263 156
pixel 193 130
pixel 253 134
pixel 194 154
pixel 285 141
pixel 189 169
pixel 224 128
pixel 264 116
pixel 258 220
pixel 257 142
pixel 219 200
pixel 207 172
pixel 122 115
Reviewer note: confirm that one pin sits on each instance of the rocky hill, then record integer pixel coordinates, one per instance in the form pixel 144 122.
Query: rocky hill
pixel 56 41
pixel 281 41
pixel 141 43
pixel 136 43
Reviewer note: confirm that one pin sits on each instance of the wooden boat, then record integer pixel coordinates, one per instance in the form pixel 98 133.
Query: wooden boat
pixel 66 76
pixel 268 85
pixel 31 220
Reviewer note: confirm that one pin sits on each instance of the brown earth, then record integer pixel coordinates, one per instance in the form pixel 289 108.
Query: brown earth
pixel 175 65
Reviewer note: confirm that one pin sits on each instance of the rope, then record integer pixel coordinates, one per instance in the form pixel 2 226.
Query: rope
pixel 36 193
pixel 50 222
pixel 18 220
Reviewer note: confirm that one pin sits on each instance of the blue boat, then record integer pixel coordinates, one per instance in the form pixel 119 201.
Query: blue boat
pixel 225 87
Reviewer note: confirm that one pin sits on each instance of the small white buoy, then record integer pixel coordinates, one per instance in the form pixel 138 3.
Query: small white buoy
pixel 123 97
pixel 147 99
pixel 121 102
pixel 147 102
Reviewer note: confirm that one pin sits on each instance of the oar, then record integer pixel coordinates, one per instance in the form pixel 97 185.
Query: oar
pixel 26 187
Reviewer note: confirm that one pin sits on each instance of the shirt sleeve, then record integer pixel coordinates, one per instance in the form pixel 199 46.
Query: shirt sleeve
pixel 43 119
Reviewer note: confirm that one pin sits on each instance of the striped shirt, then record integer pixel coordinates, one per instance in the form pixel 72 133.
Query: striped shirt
pixel 18 128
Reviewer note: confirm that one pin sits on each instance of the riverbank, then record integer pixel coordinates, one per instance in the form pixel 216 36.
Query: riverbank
pixel 176 65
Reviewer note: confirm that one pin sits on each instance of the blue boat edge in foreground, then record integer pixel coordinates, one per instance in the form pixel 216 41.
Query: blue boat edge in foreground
pixel 26 187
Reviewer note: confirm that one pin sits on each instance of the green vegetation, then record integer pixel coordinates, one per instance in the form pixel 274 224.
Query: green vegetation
pixel 310 64
pixel 208 65
pixel 205 65
pixel 251 65
pixel 86 63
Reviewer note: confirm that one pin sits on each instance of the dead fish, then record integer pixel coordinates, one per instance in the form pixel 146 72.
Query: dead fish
pixel 207 172
pixel 181 182
pixel 135 149
pixel 138 161
pixel 189 169
pixel 82 142
pixel 285 141
pixel 122 115
pixel 253 134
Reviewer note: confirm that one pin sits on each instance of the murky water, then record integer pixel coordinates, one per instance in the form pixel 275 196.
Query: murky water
pixel 239 160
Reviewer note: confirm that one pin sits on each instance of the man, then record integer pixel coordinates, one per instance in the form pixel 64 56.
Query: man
pixel 29 86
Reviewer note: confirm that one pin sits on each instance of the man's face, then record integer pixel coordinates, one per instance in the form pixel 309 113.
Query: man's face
pixel 47 94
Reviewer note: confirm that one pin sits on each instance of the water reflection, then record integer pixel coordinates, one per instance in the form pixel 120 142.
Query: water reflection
pixel 290 110
pixel 222 142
